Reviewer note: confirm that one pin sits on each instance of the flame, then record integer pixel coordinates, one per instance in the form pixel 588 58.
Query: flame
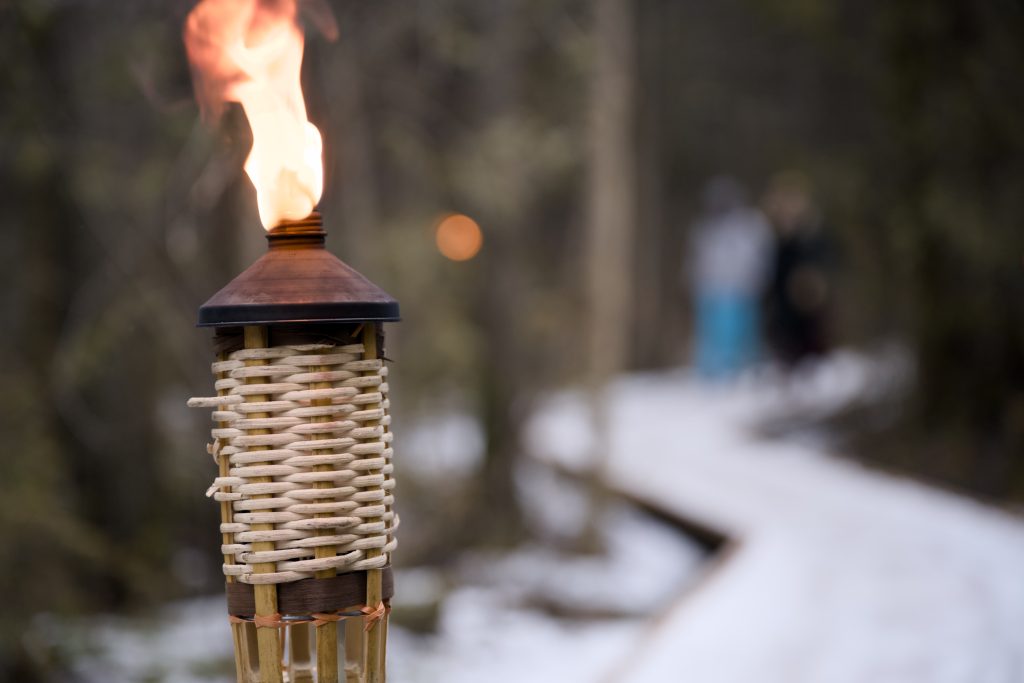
pixel 250 51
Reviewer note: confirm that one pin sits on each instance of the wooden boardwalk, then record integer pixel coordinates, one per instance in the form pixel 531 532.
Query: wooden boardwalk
pixel 835 574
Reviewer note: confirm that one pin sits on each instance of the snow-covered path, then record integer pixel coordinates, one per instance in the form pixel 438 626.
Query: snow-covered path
pixel 838 574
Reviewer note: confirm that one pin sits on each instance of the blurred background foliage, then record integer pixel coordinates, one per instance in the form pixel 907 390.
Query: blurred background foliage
pixel 122 213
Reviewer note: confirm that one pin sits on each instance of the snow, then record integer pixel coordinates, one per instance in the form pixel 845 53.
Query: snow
pixel 442 445
pixel 837 574
pixel 832 574
pixel 534 613
pixel 494 627
pixel 482 638
pixel 185 642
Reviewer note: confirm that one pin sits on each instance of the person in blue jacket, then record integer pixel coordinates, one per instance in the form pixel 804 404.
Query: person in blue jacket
pixel 729 258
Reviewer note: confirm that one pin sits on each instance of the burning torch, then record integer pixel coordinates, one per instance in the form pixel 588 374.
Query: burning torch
pixel 302 436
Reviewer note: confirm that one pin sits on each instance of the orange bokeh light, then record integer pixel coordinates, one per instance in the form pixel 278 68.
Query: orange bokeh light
pixel 458 237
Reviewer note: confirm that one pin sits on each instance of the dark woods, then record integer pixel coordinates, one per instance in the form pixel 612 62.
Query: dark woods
pixel 122 213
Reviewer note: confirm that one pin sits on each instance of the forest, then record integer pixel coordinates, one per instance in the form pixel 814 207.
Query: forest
pixel 579 136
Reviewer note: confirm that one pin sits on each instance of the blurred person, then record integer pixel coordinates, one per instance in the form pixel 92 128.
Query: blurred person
pixel 728 258
pixel 799 292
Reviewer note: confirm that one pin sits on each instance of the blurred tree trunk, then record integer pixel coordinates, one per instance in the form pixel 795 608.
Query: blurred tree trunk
pixel 610 222
pixel 611 203
pixel 657 241
pixel 503 379
pixel 351 187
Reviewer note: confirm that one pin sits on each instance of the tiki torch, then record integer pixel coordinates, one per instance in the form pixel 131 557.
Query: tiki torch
pixel 302 437
pixel 302 445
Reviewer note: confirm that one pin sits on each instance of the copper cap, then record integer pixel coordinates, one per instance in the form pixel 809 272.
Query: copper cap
pixel 298 280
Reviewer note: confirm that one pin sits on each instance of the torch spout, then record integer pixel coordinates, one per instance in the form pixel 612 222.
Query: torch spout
pixel 305 233
pixel 298 280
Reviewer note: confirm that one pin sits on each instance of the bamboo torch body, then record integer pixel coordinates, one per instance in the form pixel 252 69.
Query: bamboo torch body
pixel 374 596
pixel 243 670
pixel 269 638
pixel 326 634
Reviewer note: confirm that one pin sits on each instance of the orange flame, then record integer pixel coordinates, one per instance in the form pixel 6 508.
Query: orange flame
pixel 250 51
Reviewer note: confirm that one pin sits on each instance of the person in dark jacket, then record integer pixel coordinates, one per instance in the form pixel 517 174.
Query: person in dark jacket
pixel 799 291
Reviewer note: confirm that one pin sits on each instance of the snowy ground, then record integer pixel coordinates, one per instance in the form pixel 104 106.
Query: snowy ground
pixel 838 574
pixel 502 626
pixel 834 574
pixel 532 614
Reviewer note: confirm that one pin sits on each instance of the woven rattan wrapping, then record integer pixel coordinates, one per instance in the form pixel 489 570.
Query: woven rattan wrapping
pixel 305 430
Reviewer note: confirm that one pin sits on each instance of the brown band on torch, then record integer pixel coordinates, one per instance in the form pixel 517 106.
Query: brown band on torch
pixel 310 596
